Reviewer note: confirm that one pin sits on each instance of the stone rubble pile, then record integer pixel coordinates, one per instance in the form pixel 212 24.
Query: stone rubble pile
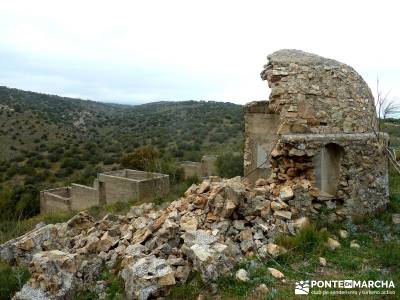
pixel 211 228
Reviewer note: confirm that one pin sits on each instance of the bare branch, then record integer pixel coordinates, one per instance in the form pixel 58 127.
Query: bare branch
pixel 384 108
pixel 391 108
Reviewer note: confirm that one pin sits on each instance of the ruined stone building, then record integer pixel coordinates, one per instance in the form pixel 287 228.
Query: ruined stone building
pixel 108 187
pixel 206 167
pixel 311 150
pixel 318 129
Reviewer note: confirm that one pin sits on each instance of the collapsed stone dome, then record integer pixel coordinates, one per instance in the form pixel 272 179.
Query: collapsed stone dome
pixel 313 94
pixel 318 130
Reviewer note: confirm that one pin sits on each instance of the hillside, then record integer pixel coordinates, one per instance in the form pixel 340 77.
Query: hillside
pixel 48 129
pixel 36 122
pixel 48 141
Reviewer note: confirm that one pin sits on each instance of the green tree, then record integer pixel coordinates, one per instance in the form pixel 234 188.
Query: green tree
pixel 230 165
pixel 20 202
pixel 144 158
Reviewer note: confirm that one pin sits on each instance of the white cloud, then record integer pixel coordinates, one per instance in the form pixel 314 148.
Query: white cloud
pixel 155 50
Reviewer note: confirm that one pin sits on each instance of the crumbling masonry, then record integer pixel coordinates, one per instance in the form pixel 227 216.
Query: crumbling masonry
pixel 317 132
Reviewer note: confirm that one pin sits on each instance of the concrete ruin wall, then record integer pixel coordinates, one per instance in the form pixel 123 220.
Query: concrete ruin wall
pixel 261 127
pixel 55 200
pixel 83 197
pixel 110 187
pixel 208 165
pixel 324 141
pixel 118 188
pixel 141 175
pixel 152 189
pixel 135 185
pixel 201 169
pixel 191 169
pixel 117 173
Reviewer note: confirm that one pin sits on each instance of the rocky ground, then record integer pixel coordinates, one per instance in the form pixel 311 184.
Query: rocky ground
pixel 215 225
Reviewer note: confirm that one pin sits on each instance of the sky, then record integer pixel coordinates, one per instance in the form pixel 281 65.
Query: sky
pixel 144 51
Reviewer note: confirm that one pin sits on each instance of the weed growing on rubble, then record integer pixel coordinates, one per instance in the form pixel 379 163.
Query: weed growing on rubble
pixel 11 280
pixel 308 240
pixel 114 288
pixel 389 254
pixel 190 290
pixel 10 229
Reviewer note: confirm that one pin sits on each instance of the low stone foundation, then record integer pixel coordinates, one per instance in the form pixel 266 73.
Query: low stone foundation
pixel 121 185
pixel 55 200
pixel 205 168
pixel 127 185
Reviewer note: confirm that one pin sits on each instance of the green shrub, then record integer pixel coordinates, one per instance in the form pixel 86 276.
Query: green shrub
pixel 176 191
pixel 175 172
pixel 54 157
pixel 11 280
pixel 64 172
pixel 230 165
pixel 189 290
pixel 115 286
pixel 394 181
pixel 145 158
pixel 86 295
pixel 114 290
pixel 19 203
pixel 388 254
pixel 309 239
pixel 73 163
pixel 394 203
pixel 10 229
pixel 118 207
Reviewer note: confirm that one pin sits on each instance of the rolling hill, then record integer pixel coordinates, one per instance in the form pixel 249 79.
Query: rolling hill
pixel 49 140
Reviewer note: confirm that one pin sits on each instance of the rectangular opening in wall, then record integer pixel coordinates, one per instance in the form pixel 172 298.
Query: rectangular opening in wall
pixel 330 158
pixel 102 192
pixel 262 157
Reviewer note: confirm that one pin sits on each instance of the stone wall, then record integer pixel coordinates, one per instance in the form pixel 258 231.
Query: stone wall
pixel 191 169
pixel 110 187
pixel 313 94
pixel 318 132
pixel 344 172
pixel 261 127
pixel 83 197
pixel 117 173
pixel 134 185
pixel 207 167
pixel 55 200
pixel 141 175
pixel 153 188
pixel 118 188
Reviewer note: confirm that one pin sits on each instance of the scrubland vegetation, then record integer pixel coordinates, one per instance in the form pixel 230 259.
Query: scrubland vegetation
pixel 49 141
